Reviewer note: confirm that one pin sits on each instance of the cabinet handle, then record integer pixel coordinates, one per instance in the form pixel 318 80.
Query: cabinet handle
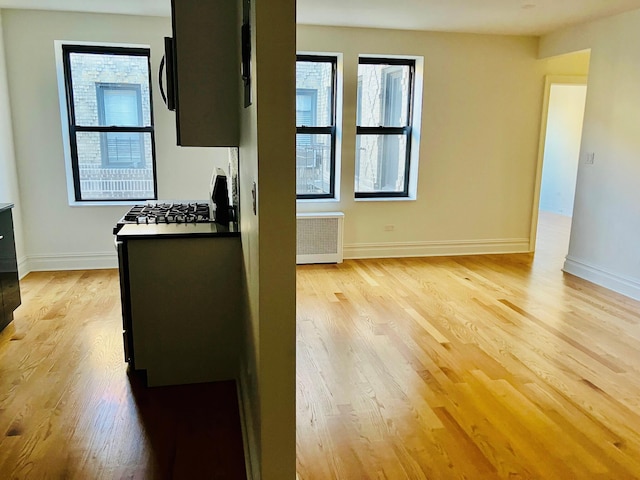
pixel 1 237
pixel 169 64
pixel 160 82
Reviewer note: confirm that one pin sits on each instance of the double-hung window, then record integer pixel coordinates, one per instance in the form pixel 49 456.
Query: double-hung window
pixel 384 127
pixel 110 123
pixel 315 126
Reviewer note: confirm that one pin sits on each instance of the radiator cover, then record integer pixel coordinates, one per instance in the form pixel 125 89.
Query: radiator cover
pixel 319 237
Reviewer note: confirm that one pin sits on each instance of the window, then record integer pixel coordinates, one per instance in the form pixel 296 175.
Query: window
pixel 384 127
pixel 315 126
pixel 110 123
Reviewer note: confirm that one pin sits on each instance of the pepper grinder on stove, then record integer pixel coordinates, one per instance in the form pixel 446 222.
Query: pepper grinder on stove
pixel 220 198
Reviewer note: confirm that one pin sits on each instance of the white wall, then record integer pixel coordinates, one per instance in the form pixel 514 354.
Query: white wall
pixel 8 174
pixel 606 228
pixel 562 148
pixel 479 143
pixel 57 236
pixel 267 158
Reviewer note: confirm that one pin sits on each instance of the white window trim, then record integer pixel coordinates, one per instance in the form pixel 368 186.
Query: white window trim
pixel 66 141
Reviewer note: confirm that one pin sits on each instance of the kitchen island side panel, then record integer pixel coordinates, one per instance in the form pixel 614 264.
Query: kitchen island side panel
pixel 185 308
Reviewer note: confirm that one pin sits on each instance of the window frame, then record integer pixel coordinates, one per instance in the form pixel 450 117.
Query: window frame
pixel 72 128
pixel 328 130
pixel 406 131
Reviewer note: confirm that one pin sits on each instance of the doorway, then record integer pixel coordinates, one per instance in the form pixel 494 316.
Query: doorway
pixel 563 117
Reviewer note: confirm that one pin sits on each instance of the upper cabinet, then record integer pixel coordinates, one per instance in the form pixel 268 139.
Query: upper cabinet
pixel 203 72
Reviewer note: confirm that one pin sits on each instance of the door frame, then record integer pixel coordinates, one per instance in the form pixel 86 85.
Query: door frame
pixel 548 82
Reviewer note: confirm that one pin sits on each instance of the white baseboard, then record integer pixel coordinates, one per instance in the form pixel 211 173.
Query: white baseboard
pixel 627 286
pixel 68 261
pixel 246 422
pixel 23 267
pixel 436 248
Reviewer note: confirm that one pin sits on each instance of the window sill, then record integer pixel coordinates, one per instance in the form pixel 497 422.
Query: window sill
pixel 109 203
pixel 317 200
pixel 386 199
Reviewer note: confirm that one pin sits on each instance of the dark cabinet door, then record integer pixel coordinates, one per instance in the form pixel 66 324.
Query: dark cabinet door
pixel 125 300
pixel 9 285
pixel 206 36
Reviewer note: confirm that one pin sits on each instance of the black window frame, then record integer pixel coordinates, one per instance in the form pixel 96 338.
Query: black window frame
pixel 381 130
pixel 327 130
pixel 67 50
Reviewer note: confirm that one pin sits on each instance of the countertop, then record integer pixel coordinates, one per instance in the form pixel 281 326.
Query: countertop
pixel 5 206
pixel 177 230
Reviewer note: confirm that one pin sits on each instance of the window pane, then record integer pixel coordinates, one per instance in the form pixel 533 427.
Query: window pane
pixel 123 149
pixel 383 95
pixel 306 101
pixel 313 94
pixel 106 87
pixel 380 163
pixel 115 165
pixel 121 106
pixel 313 164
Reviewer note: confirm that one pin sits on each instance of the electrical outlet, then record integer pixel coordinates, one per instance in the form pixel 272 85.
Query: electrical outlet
pixel 389 228
pixel 589 158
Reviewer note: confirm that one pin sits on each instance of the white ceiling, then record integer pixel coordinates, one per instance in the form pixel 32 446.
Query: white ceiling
pixel 514 17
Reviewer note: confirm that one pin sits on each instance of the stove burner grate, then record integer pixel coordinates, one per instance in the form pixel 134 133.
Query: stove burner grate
pixel 168 213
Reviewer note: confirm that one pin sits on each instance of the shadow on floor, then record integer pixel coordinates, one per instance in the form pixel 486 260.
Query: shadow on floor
pixel 193 430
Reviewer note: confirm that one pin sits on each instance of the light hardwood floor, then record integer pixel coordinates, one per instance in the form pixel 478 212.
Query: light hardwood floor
pixel 68 410
pixel 478 367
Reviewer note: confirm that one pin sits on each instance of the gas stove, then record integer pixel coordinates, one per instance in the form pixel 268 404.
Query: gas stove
pixel 157 213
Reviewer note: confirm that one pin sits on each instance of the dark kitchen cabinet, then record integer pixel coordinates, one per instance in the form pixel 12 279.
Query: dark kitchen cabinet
pixel 203 62
pixel 9 284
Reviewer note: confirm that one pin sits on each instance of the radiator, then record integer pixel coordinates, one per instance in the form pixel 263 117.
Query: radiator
pixel 319 237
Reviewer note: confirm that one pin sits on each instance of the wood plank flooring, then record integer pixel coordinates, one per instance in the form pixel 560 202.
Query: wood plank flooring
pixel 68 410
pixel 478 367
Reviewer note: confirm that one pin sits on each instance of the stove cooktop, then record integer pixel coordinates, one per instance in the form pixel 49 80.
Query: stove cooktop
pixel 156 213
